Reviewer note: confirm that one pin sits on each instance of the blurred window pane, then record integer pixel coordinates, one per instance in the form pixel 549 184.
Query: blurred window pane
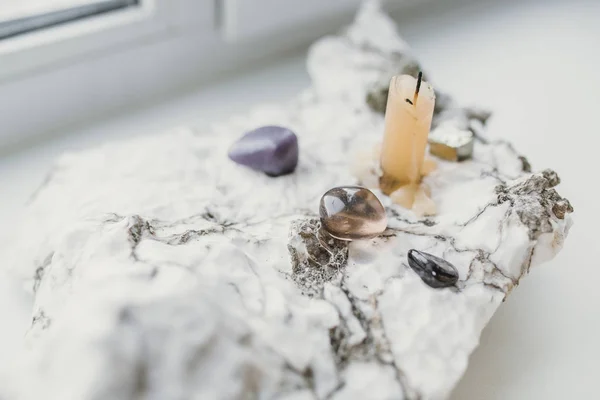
pixel 23 16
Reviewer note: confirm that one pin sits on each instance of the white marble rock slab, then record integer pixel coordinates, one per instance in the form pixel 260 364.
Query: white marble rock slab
pixel 162 270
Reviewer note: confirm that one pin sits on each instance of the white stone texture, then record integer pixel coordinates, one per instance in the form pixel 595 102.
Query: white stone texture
pixel 161 269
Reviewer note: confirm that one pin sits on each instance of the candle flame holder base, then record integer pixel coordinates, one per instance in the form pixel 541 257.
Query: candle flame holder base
pixel 415 197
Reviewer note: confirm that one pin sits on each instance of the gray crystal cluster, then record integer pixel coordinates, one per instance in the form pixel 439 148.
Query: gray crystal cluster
pixel 316 257
pixel 175 273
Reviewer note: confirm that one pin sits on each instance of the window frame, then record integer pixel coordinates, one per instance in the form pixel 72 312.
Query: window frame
pixel 42 19
pixel 65 77
pixel 31 52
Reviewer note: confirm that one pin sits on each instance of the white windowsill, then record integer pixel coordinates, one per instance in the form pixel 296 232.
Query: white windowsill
pixel 81 71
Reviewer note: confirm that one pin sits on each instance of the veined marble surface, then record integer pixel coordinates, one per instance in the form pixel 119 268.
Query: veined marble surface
pixel 149 282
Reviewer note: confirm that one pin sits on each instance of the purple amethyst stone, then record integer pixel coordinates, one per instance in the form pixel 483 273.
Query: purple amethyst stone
pixel 270 149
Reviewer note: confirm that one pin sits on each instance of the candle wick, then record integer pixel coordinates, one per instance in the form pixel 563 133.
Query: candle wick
pixel 418 88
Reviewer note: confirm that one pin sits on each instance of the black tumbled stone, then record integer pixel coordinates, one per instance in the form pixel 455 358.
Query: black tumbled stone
pixel 434 271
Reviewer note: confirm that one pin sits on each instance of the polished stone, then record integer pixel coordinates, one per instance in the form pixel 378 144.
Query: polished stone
pixel 352 212
pixel 270 149
pixel 434 271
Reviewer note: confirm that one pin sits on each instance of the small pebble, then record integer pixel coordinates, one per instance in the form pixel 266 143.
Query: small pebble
pixel 270 149
pixel 352 212
pixel 434 271
pixel 450 143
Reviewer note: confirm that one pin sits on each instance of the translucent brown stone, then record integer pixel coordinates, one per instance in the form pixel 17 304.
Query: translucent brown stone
pixel 352 212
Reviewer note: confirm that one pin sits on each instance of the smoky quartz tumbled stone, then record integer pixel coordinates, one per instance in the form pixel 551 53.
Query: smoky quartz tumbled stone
pixel 434 271
pixel 352 212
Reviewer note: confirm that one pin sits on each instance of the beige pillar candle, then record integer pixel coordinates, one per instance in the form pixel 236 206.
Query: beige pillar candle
pixel 407 124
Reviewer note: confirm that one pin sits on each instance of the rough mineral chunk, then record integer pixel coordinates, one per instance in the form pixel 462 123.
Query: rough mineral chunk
pixel 451 143
pixel 176 274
